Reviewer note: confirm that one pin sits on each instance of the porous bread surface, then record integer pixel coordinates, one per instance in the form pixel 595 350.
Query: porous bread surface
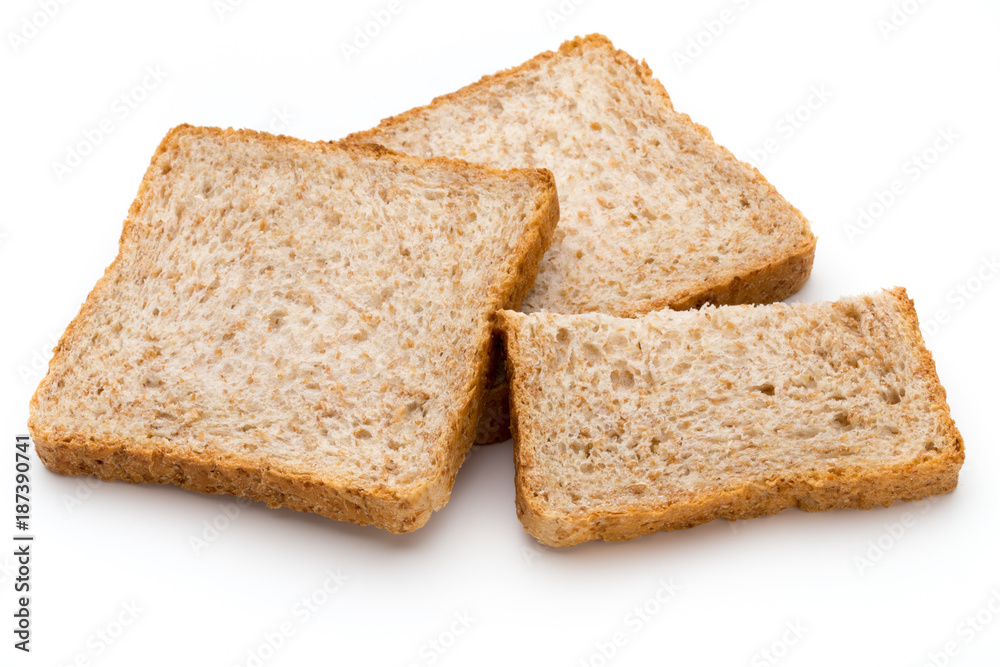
pixel 654 213
pixel 623 427
pixel 305 324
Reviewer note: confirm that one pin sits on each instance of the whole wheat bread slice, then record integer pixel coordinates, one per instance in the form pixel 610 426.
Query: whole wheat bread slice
pixel 306 324
pixel 654 213
pixel 623 427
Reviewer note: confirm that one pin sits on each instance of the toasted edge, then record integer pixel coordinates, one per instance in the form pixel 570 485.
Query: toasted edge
pixel 861 487
pixel 286 486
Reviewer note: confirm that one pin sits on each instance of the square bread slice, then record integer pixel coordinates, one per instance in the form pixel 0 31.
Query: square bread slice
pixel 623 427
pixel 306 324
pixel 654 213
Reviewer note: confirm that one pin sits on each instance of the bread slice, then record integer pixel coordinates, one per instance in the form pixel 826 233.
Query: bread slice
pixel 623 427
pixel 654 213
pixel 306 324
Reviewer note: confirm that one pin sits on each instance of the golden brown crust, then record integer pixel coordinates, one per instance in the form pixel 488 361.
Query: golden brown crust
pixel 862 490
pixel 395 510
pixel 858 487
pixel 764 283
pixel 127 461
pixel 955 444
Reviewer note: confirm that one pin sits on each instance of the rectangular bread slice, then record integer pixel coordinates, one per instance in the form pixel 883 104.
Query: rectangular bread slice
pixel 654 213
pixel 306 324
pixel 623 427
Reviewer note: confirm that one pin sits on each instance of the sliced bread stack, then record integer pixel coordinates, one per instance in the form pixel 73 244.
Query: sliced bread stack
pixel 314 324
pixel 654 213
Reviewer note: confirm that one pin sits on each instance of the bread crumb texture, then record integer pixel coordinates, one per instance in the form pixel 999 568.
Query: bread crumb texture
pixel 304 324
pixel 654 213
pixel 625 427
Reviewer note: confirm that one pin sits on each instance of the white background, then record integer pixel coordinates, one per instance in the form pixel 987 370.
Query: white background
pixel 858 587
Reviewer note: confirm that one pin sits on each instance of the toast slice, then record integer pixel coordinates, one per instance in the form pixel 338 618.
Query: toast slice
pixel 306 324
pixel 623 427
pixel 654 213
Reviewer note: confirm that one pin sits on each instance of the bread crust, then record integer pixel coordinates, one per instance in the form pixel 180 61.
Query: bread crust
pixel 762 282
pixel 396 510
pixel 858 487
